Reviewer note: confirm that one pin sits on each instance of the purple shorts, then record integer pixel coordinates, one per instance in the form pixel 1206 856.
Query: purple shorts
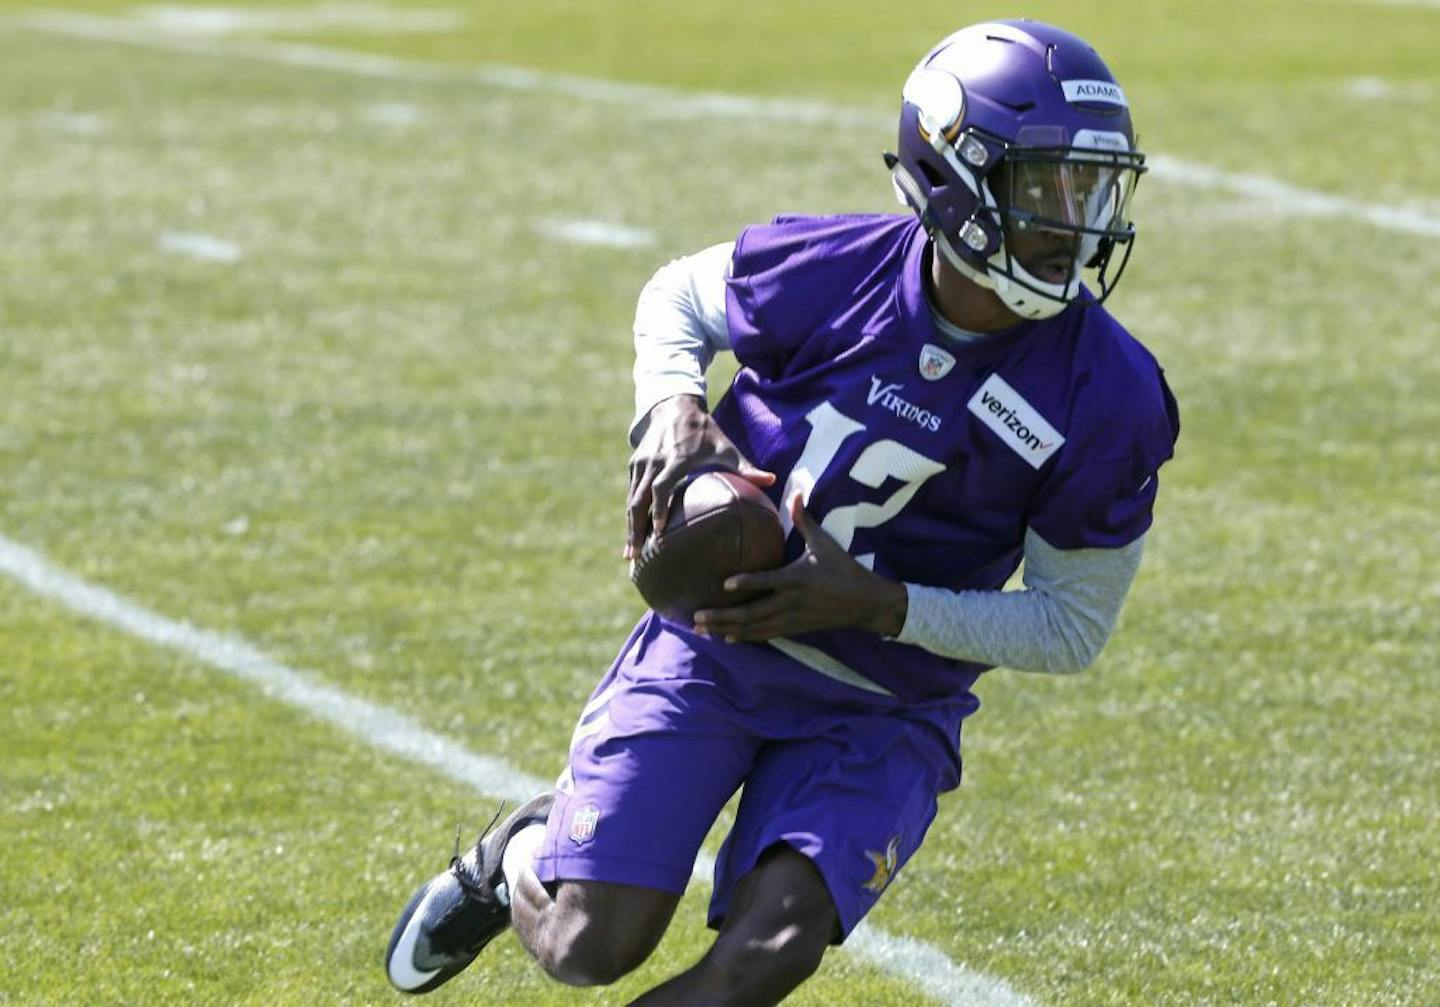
pixel 845 776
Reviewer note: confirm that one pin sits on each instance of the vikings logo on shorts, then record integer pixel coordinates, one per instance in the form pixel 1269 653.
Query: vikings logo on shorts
pixel 884 866
pixel 582 824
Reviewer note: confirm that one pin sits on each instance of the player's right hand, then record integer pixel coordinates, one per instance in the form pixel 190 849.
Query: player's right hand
pixel 680 437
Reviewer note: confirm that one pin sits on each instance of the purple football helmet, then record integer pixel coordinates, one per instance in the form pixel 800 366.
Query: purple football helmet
pixel 1015 130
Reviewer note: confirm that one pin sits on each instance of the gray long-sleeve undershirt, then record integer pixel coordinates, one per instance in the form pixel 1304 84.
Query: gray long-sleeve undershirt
pixel 1060 621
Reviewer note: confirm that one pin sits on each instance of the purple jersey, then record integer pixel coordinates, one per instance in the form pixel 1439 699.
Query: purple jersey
pixel 928 458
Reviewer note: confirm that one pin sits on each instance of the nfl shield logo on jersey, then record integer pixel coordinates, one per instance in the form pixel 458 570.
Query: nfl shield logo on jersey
pixel 582 824
pixel 935 363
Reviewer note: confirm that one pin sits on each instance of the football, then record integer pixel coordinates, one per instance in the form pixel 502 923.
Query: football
pixel 719 524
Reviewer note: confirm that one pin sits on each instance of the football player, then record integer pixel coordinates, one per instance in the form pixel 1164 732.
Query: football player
pixel 929 398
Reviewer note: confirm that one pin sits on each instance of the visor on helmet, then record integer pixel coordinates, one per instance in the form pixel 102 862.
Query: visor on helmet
pixel 1081 192
pixel 1081 186
pixel 1074 196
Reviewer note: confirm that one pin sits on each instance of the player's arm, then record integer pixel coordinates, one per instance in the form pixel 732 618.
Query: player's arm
pixel 1058 624
pixel 679 327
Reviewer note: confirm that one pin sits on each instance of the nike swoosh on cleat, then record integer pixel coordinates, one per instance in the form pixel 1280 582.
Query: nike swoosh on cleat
pixel 401 966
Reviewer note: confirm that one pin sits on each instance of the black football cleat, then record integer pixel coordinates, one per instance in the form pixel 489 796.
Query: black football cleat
pixel 456 913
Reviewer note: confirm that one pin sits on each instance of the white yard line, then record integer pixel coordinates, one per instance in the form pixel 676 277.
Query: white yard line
pixel 600 233
pixel 647 97
pixel 332 17
pixel 394 113
pixel 376 725
pixel 1294 200
pixel 1432 4
pixel 673 101
pixel 1369 88
pixel 1381 89
pixel 74 123
pixel 204 247
pixel 915 961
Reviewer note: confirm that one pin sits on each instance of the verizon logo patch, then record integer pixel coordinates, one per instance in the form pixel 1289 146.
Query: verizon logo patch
pixel 1015 421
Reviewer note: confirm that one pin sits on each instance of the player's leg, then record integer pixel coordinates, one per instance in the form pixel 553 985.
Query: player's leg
pixel 452 916
pixel 825 824
pixel 596 868
pixel 657 752
pixel 589 933
pixel 630 814
pixel 582 931
pixel 780 923
pixel 856 799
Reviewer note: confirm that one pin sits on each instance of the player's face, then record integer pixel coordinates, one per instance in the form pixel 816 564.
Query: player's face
pixel 1045 202
pixel 1048 255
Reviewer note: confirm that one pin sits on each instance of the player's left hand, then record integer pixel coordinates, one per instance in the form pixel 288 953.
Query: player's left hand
pixel 824 589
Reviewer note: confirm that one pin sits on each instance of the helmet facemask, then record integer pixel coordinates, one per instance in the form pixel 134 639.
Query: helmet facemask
pixel 1061 209
pixel 1017 153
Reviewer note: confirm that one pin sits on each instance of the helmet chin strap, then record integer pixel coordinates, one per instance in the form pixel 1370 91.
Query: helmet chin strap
pixel 979 277
pixel 1041 300
pixel 1045 300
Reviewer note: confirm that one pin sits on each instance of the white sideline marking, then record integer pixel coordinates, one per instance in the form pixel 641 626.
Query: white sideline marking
pixel 1369 87
pixel 1378 88
pixel 364 18
pixel 205 247
pixel 1432 4
pixel 595 232
pixel 1294 200
pixel 688 104
pixel 74 123
pixel 380 727
pixel 393 113
pixel 651 98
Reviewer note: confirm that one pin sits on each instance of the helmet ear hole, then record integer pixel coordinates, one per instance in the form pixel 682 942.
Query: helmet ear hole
pixel 932 174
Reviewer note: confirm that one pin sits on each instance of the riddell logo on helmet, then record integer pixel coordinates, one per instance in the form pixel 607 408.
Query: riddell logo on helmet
pixel 1077 91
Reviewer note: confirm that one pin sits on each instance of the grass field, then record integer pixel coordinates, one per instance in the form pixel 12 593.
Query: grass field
pixel 302 356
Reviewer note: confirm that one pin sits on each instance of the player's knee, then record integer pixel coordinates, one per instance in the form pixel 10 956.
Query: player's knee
pixel 594 939
pixel 784 954
pixel 589 960
pixel 779 939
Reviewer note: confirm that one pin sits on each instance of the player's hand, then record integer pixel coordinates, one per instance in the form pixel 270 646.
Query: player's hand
pixel 681 436
pixel 824 589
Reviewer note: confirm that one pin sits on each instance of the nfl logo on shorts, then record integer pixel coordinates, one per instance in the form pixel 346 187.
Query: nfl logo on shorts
pixel 582 825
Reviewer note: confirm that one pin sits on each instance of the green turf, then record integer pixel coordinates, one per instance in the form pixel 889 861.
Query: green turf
pixel 387 446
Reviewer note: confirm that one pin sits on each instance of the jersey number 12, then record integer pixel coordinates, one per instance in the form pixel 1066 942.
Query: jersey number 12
pixel 882 460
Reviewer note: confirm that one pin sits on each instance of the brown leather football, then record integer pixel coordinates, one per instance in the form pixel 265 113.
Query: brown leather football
pixel 719 524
